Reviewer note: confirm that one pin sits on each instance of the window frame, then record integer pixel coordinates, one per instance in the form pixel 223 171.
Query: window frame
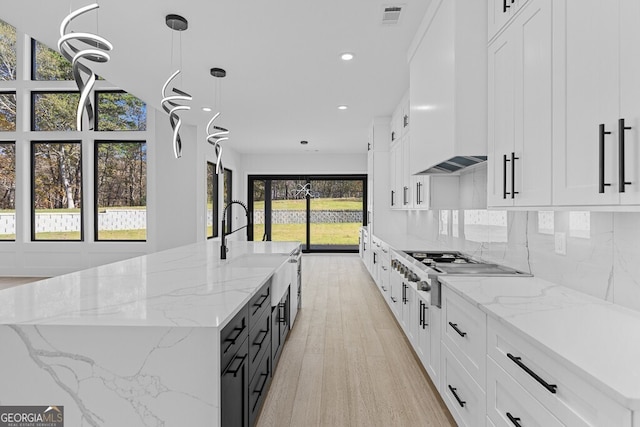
pixel 15 172
pixel 96 212
pixel 96 110
pixel 34 64
pixel 33 189
pixel 227 191
pixel 33 108
pixel 216 202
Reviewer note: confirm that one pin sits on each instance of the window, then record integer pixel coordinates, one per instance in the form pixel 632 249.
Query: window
pixel 212 201
pixel 7 111
pixel 47 64
pixel 7 52
pixel 56 212
pixel 228 195
pixel 118 110
pixel 54 111
pixel 121 190
pixel 7 191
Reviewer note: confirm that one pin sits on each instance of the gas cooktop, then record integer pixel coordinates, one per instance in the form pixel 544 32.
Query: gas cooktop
pixel 457 263
pixel 442 257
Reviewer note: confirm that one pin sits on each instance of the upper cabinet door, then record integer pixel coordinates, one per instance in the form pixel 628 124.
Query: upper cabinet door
pixel 501 117
pixel 531 162
pixel 586 94
pixel 630 98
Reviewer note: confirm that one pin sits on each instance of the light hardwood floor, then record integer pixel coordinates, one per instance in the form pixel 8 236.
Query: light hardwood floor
pixel 346 362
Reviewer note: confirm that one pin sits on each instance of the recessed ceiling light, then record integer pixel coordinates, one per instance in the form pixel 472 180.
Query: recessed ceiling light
pixel 342 107
pixel 347 56
pixel 207 109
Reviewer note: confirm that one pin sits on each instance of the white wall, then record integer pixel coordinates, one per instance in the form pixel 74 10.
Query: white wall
pixel 311 163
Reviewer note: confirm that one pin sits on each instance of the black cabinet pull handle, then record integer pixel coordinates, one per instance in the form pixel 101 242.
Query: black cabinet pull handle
pixel 282 318
pixel 514 420
pixel 393 299
pixel 421 315
pixel 383 288
pixel 393 136
pixel 621 129
pixel 460 401
pixel 404 293
pixel 504 174
pixel 262 300
pixel 455 328
pixel 374 257
pixel 260 389
pixel 417 193
pixel 238 333
pixel 404 195
pixel 235 371
pixel 424 316
pixel 405 121
pixel 517 360
pixel 264 337
pixel 505 6
pixel 393 193
pixel 513 175
pixel 601 183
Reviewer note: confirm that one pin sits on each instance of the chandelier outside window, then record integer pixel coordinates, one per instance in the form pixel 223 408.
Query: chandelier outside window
pixel 90 47
pixel 217 134
pixel 173 103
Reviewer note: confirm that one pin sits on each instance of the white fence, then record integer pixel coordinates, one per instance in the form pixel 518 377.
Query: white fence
pixel 121 219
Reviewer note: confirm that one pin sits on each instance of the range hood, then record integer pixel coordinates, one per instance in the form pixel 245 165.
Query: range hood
pixel 454 164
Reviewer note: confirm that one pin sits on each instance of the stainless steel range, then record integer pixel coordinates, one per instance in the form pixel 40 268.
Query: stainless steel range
pixel 426 267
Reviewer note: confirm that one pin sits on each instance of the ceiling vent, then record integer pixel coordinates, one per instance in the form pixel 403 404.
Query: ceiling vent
pixel 391 14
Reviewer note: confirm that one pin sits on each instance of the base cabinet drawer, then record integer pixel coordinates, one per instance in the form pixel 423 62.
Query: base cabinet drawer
pixel 510 405
pixel 566 395
pixel 464 330
pixel 462 395
pixel 258 387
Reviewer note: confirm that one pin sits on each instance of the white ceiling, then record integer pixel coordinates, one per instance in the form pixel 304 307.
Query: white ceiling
pixel 285 78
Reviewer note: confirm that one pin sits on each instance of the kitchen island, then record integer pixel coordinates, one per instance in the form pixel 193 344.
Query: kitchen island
pixel 134 343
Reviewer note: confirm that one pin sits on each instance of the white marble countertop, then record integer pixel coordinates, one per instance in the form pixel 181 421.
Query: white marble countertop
pixel 596 339
pixel 186 286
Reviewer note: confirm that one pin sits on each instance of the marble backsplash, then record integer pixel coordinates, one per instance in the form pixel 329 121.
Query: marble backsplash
pixel 602 251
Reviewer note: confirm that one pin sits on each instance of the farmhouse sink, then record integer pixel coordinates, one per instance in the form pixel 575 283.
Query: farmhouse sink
pixel 257 260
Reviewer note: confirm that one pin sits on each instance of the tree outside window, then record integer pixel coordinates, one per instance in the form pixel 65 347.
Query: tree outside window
pixel 228 196
pixel 7 52
pixel 7 191
pixel 48 64
pixel 54 111
pixel 7 111
pixel 118 110
pixel 57 191
pixel 121 190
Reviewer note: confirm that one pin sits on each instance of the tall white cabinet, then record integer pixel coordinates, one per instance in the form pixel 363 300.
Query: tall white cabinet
pixel 520 114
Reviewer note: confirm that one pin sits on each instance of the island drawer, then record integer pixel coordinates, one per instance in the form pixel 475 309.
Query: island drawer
pixel 259 303
pixel 233 335
pixel 258 387
pixel 259 340
pixel 462 395
pixel 564 393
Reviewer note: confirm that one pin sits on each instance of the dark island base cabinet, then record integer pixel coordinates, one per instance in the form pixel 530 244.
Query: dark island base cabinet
pixel 245 358
pixel 279 326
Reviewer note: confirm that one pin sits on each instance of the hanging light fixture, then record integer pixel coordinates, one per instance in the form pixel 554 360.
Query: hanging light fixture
pixel 217 134
pixel 171 104
pixel 85 78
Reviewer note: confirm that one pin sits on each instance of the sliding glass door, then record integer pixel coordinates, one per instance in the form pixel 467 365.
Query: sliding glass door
pixel 323 212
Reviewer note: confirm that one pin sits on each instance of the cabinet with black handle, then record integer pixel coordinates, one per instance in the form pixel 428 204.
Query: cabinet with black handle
pixel 245 360
pixel 279 326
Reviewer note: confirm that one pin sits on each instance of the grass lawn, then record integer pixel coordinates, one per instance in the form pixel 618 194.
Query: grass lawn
pixel 140 234
pixel 62 235
pixel 7 237
pixel 344 233
pixel 316 205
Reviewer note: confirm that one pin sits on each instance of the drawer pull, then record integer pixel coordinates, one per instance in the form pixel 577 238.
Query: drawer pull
pixel 262 300
pixel 393 299
pixel 514 420
pixel 240 364
pixel 460 401
pixel 383 288
pixel 264 337
pixel 455 328
pixel 550 387
pixel 234 339
pixel 260 389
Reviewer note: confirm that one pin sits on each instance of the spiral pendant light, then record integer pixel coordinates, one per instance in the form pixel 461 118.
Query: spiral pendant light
pixel 172 104
pixel 90 47
pixel 217 134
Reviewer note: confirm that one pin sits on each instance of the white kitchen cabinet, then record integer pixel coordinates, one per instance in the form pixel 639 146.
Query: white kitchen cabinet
pixel 500 12
pixel 408 311
pixel 395 168
pixel 520 115
pixel 565 395
pixel 448 84
pixel 462 395
pixel 435 192
pixel 595 87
